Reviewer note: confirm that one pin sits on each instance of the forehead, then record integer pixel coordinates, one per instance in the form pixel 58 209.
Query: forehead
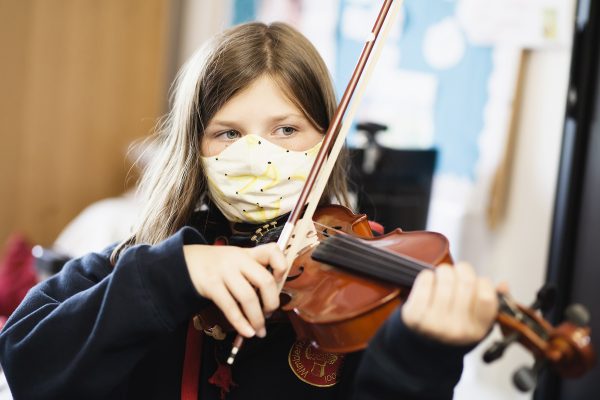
pixel 262 98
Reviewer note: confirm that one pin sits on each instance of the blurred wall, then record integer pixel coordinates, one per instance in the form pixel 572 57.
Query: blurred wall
pixel 519 248
pixel 79 80
pixel 200 20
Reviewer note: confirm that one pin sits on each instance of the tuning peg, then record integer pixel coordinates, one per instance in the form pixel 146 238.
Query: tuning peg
pixel 578 315
pixel 525 378
pixel 496 350
pixel 545 298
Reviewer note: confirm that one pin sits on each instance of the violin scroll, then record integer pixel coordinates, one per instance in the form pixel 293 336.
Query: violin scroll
pixel 567 348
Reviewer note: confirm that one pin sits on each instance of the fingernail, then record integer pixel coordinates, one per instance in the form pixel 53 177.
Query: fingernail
pixel 249 332
pixel 262 332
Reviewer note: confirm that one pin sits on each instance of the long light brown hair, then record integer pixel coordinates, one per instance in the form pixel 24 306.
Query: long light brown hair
pixel 174 182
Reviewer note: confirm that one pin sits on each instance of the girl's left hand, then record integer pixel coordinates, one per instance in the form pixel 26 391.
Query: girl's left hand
pixel 451 305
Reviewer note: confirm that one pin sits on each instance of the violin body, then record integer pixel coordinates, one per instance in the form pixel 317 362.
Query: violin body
pixel 336 310
pixel 339 311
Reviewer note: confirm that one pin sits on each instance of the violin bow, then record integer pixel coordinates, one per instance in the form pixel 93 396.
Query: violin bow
pixel 299 232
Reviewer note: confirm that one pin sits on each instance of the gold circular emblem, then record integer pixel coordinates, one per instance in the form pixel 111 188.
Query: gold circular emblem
pixel 313 366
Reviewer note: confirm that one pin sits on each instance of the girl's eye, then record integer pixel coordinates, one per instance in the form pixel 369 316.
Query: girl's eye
pixel 231 134
pixel 287 130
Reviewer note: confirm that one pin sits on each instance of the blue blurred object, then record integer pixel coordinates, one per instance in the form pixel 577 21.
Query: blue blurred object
pixel 244 11
pixel 462 89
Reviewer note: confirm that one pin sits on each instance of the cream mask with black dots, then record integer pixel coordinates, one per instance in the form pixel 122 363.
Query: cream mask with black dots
pixel 254 180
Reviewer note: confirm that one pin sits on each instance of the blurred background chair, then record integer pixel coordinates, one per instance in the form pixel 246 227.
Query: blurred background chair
pixel 393 187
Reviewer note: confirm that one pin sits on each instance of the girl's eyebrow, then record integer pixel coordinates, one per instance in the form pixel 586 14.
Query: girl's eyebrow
pixel 286 116
pixel 223 123
pixel 273 120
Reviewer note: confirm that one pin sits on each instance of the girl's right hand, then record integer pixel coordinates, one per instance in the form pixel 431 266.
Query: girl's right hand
pixel 230 277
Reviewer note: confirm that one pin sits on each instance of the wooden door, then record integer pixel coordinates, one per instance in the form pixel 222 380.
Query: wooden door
pixel 79 80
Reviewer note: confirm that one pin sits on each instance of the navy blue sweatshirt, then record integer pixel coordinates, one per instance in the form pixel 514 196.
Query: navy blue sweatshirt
pixel 95 331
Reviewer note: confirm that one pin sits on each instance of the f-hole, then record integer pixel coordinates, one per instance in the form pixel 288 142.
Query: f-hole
pixel 296 276
pixel 325 231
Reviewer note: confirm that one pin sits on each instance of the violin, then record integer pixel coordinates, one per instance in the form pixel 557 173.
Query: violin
pixel 343 283
pixel 340 290
pixel 339 293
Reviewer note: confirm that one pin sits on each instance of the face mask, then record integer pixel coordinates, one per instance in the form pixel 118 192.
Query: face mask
pixel 254 180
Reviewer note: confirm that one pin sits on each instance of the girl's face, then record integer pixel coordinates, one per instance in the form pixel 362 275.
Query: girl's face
pixel 261 109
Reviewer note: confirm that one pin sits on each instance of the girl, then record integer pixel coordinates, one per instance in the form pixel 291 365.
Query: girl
pixel 248 116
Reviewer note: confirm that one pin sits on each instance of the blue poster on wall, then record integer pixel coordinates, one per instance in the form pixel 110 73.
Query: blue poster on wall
pixel 431 43
pixel 244 11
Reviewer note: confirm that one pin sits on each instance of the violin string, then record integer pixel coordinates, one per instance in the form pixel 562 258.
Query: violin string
pixel 358 262
pixel 378 269
pixel 372 262
pixel 385 258
pixel 393 258
pixel 351 253
pixel 406 261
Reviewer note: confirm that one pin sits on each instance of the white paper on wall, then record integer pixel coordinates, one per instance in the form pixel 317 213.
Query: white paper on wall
pixel 520 23
pixel 405 102
pixel 444 44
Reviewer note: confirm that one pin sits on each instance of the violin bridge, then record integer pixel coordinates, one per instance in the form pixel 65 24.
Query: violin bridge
pixel 296 238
